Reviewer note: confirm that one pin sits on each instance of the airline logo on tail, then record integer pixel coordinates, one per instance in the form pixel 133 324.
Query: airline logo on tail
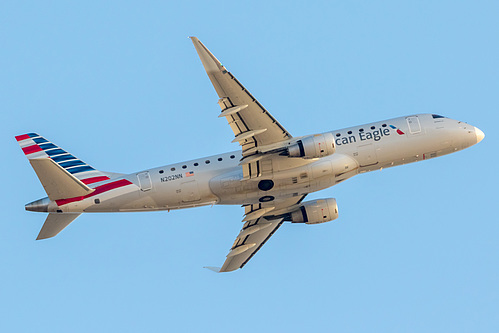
pixel 64 177
pixel 35 146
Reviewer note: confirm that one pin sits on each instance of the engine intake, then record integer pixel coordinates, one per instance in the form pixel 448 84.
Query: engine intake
pixel 313 146
pixel 316 211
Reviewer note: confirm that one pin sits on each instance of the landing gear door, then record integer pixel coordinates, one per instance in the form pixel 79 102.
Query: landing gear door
pixel 414 125
pixel 366 155
pixel 189 191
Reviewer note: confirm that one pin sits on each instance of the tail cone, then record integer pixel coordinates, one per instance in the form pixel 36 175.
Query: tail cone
pixel 38 205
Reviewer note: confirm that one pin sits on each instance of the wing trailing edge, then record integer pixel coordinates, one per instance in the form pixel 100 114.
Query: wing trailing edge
pixel 252 124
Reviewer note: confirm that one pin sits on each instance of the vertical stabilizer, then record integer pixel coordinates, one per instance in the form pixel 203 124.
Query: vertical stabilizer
pixel 36 147
pixel 57 182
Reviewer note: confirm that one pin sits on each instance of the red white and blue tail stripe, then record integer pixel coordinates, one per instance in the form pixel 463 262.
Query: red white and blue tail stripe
pixel 35 146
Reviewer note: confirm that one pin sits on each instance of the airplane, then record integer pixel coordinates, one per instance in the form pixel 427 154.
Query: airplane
pixel 270 175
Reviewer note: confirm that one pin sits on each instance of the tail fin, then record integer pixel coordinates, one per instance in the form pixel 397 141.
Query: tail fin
pixel 62 175
pixel 55 223
pixel 57 182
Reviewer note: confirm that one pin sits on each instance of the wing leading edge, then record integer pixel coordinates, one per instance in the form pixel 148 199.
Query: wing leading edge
pixel 251 123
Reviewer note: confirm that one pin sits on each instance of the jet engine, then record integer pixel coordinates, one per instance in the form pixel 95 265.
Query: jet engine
pixel 313 146
pixel 316 211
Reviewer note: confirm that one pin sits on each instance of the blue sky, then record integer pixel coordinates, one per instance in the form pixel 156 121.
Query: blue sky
pixel 119 85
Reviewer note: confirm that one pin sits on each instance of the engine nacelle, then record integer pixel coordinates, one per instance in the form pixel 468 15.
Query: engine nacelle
pixel 313 146
pixel 316 211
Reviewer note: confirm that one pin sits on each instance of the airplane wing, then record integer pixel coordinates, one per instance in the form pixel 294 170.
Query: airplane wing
pixel 259 227
pixel 252 125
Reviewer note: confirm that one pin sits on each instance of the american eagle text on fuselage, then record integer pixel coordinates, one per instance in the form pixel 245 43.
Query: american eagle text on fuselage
pixel 363 136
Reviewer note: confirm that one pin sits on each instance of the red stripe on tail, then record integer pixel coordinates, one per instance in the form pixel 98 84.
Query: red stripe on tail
pixel 98 190
pixel 22 137
pixel 94 180
pixel 31 149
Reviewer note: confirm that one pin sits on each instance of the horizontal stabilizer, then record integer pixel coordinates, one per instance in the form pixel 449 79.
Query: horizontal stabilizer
pixel 57 182
pixel 213 269
pixel 55 223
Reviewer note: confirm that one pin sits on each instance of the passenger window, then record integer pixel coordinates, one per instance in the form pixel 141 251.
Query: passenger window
pixel 372 127
pixel 349 132
pixel 207 161
pixel 361 130
pixel 384 125
pixel 232 156
pixel 219 159
pixel 184 166
pixel 338 134
pixel 161 171
pixel 196 164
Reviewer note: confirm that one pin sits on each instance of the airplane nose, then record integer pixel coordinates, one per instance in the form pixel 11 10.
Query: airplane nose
pixel 479 135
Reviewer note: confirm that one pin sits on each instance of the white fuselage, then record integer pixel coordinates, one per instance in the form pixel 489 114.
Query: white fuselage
pixel 219 179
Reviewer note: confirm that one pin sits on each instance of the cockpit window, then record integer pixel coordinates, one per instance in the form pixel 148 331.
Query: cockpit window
pixel 435 116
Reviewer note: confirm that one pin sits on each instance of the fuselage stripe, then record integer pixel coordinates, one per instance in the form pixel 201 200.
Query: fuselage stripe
pixel 98 190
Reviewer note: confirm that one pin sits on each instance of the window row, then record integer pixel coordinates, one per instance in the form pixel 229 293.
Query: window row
pixel 197 164
pixel 361 130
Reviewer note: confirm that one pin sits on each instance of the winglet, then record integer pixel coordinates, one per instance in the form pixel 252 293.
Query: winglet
pixel 210 62
pixel 213 269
